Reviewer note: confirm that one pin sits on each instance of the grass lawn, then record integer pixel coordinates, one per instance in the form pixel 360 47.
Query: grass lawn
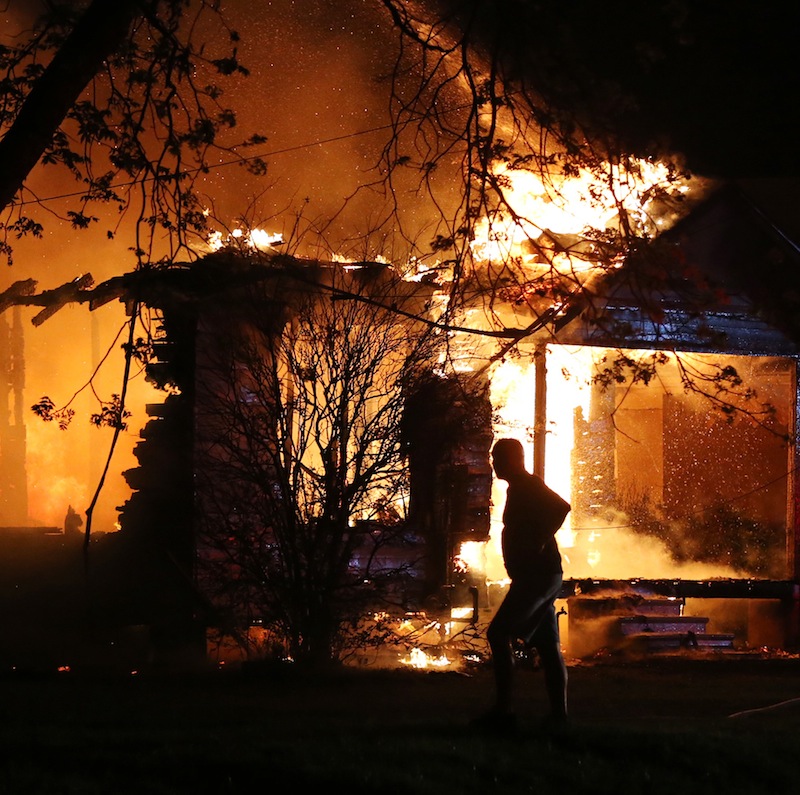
pixel 655 726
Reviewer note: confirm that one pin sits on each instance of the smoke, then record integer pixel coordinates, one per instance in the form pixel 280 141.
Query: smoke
pixel 318 89
pixel 64 466
pixel 60 356
pixel 611 549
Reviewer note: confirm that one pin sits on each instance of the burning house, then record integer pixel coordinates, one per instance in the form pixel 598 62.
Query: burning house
pixel 670 425
pixel 662 405
pixel 543 285
pixel 678 449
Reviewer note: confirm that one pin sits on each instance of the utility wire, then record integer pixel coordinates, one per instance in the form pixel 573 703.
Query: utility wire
pixel 218 166
pixel 238 161
pixel 412 116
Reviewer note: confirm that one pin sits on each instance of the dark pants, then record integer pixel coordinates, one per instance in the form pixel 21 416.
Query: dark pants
pixel 528 614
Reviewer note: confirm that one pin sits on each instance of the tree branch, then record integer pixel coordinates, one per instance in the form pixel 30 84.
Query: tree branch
pixel 97 34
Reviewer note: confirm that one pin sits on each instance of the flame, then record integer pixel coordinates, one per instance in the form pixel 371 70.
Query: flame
pixel 261 239
pixel 417 658
pixel 253 239
pixel 538 203
pixel 569 374
pixel 606 545
pixel 471 557
pixel 512 394
pixel 349 263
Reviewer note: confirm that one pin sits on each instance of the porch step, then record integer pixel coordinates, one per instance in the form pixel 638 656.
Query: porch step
pixel 659 624
pixel 639 625
pixel 674 641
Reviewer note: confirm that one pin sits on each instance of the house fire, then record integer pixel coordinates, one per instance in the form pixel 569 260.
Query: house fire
pixel 676 452
pixel 681 474
pixel 328 422
pixel 669 425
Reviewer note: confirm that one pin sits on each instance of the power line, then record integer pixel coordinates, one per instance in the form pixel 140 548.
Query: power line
pixel 238 161
pixel 411 116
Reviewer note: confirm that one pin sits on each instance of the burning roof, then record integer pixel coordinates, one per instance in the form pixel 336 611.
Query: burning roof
pixel 723 278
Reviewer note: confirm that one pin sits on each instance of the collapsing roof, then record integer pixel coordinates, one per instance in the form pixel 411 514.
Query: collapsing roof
pixel 725 278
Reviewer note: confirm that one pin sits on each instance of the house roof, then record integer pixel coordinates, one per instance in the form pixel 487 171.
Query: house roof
pixel 726 278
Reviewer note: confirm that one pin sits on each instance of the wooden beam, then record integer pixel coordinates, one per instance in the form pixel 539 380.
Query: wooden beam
pixel 540 410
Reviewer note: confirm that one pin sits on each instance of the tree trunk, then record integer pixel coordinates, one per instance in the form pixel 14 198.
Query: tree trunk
pixel 97 35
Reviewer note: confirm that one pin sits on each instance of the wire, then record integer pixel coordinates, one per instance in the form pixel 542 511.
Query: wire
pixel 238 161
pixel 218 166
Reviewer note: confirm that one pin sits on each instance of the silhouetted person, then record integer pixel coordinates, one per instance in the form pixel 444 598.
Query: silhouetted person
pixel 72 523
pixel 532 515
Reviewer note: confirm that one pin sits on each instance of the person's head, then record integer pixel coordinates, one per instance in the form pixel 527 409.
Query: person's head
pixel 508 458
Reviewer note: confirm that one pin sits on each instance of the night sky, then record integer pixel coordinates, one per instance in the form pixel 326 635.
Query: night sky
pixel 317 90
pixel 719 80
pixel 715 80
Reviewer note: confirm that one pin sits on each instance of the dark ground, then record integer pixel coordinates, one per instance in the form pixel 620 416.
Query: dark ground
pixel 661 725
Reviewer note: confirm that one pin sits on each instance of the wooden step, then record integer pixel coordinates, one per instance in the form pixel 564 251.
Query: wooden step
pixel 674 641
pixel 635 625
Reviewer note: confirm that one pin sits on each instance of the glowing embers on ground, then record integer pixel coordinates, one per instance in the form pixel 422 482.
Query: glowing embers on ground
pixel 417 658
pixel 435 642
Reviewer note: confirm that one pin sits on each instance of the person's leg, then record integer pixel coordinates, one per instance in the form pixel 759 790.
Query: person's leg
pixel 503 629
pixel 548 644
pixel 500 637
pixel 526 612
pixel 500 634
pixel 545 637
pixel 522 610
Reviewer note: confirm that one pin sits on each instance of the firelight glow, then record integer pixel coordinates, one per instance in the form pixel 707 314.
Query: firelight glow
pixel 566 205
pixel 471 557
pixel 255 239
pixel 417 658
pixel 513 388
pixel 604 544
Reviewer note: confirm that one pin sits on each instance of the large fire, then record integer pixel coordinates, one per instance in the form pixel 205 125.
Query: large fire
pixel 532 205
pixel 603 543
pixel 535 203
pixel 688 488
pixel 256 239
